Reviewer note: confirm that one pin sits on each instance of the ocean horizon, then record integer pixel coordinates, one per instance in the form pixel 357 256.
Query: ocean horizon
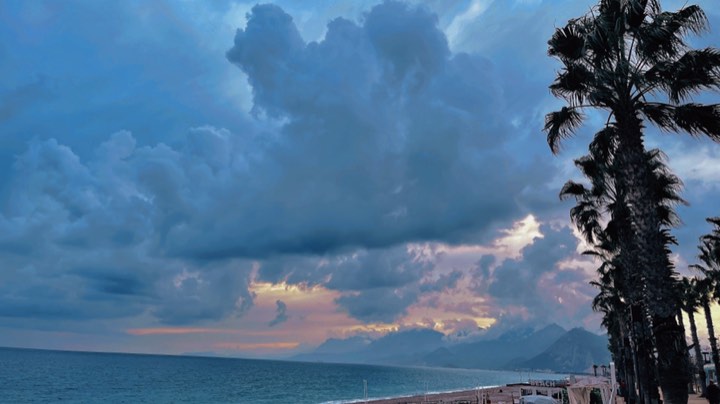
pixel 37 375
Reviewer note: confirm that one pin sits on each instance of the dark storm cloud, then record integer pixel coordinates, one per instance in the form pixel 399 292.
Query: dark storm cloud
pixel 90 229
pixel 443 282
pixel 210 293
pixel 375 285
pixel 481 273
pixel 380 304
pixel 387 138
pixel 280 314
pixel 391 268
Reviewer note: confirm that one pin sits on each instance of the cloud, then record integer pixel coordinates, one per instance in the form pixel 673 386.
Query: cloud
pixel 136 186
pixel 537 287
pixel 378 305
pixel 81 238
pixel 281 315
pixel 383 130
pixel 375 285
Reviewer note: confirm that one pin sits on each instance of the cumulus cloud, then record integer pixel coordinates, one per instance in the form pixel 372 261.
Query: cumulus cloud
pixel 383 131
pixel 81 237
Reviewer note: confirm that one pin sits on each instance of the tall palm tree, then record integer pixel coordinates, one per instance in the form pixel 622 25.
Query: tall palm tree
pixel 691 304
pixel 619 58
pixel 618 292
pixel 602 203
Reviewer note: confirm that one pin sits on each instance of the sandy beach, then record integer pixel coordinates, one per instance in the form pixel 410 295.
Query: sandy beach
pixel 497 395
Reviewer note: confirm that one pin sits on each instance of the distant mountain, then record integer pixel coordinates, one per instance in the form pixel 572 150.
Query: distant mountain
pixel 513 346
pixel 340 346
pixel 403 347
pixel 521 333
pixel 550 348
pixel 347 350
pixel 574 352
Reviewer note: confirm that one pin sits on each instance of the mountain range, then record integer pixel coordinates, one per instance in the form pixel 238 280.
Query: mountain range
pixel 551 348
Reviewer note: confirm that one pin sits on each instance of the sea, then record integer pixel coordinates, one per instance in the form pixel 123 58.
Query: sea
pixel 42 376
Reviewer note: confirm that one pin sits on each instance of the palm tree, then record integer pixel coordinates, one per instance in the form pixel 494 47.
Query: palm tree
pixel 705 287
pixel 691 303
pixel 602 202
pixel 681 323
pixel 709 287
pixel 615 320
pixel 710 251
pixel 617 298
pixel 619 58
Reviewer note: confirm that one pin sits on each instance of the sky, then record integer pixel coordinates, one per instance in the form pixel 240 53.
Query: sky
pixel 251 179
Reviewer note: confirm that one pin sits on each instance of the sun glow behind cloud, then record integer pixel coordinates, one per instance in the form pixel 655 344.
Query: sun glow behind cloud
pixel 459 309
pixel 313 314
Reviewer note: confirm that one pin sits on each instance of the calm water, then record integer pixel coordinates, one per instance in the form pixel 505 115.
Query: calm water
pixel 49 376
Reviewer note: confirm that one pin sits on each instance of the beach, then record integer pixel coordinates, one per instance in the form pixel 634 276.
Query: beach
pixel 501 394
pixel 497 395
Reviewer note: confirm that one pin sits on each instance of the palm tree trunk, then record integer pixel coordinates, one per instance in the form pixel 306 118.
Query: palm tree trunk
pixel 653 262
pixel 698 354
pixel 630 378
pixel 628 361
pixel 681 323
pixel 645 363
pixel 672 362
pixel 711 333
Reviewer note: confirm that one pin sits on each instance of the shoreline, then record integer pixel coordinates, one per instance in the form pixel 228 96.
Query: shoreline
pixel 507 394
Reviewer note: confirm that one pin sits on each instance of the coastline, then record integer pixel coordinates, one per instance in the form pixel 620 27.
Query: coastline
pixel 507 394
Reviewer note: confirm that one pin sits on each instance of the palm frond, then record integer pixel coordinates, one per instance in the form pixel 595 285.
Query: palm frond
pixel 659 114
pixel 663 36
pixel 697 119
pixel 589 167
pixel 696 70
pixel 688 19
pixel 568 43
pixel 573 83
pixel 602 48
pixel 603 144
pixel 560 125
pixel 636 12
pixel 572 189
